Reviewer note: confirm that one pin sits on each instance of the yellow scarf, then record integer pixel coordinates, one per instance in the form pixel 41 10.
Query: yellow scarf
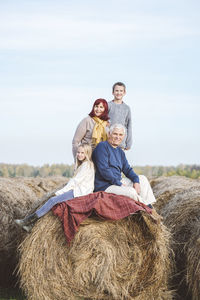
pixel 99 131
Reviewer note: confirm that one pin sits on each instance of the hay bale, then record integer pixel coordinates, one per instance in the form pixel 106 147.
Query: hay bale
pixel 124 259
pixel 164 188
pixel 179 204
pixel 17 197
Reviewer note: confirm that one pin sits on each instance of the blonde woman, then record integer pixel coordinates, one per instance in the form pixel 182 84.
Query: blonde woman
pixel 82 183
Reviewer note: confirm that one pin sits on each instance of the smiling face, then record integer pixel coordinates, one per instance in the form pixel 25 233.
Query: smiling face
pixel 116 137
pixel 118 92
pixel 99 109
pixel 80 154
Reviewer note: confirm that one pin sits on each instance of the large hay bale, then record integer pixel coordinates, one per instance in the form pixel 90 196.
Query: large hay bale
pixel 17 197
pixel 164 188
pixel 124 259
pixel 178 201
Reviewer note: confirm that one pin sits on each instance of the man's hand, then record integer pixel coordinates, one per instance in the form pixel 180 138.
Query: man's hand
pixel 137 187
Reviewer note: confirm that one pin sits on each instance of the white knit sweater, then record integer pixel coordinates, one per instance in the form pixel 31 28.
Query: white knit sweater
pixel 82 183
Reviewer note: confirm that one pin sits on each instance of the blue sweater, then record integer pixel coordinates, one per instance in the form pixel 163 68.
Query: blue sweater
pixel 109 163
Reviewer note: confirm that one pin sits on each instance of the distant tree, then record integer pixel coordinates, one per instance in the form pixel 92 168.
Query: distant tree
pixel 9 170
pixel 4 171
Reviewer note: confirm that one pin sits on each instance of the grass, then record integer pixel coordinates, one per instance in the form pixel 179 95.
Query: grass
pixel 11 294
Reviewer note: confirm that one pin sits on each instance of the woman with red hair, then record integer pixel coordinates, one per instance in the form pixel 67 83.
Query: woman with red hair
pixel 92 129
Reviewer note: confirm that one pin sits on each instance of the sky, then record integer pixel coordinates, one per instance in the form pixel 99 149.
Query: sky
pixel 58 57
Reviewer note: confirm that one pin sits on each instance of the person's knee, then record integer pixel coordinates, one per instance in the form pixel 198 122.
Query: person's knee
pixel 143 180
pixel 143 177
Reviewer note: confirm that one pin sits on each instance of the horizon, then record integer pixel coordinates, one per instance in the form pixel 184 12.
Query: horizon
pixel 135 166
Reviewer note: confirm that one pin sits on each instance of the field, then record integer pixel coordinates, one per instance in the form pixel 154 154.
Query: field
pixel 11 294
pixel 173 193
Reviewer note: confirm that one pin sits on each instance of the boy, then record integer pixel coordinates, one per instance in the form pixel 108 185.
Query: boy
pixel 119 112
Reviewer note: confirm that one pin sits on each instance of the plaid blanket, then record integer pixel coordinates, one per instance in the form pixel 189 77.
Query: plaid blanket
pixel 104 205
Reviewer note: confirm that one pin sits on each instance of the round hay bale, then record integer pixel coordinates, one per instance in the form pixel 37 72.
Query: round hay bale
pixel 179 204
pixel 193 268
pixel 124 259
pixel 164 188
pixel 17 197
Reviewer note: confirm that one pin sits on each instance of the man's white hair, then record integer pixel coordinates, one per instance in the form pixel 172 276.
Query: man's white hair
pixel 117 126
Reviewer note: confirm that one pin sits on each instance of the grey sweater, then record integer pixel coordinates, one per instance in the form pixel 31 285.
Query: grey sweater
pixel 83 134
pixel 121 113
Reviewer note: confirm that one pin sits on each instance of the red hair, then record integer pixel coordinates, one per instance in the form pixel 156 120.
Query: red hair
pixel 104 115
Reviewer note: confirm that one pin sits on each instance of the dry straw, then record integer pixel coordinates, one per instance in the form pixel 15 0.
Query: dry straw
pixel 125 259
pixel 178 201
pixel 17 197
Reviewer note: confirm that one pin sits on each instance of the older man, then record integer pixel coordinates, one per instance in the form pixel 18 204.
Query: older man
pixel 110 161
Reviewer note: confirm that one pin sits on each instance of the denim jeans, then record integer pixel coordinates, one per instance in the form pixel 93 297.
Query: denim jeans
pixel 53 201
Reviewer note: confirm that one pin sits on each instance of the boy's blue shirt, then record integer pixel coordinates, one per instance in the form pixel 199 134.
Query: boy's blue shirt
pixel 110 162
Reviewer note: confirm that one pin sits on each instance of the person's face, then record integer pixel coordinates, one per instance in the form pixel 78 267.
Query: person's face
pixel 99 109
pixel 116 137
pixel 119 92
pixel 80 154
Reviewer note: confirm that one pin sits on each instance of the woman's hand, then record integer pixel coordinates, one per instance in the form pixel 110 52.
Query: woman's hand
pixel 108 124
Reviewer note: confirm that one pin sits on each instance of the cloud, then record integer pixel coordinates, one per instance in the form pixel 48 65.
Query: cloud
pixel 31 31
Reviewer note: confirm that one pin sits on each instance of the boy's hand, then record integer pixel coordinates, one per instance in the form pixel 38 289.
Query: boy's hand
pixel 137 187
pixel 127 148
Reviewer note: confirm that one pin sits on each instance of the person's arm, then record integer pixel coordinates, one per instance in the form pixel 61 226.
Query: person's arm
pixel 128 171
pixel 79 135
pixel 129 131
pixel 100 158
pixel 109 107
pixel 80 177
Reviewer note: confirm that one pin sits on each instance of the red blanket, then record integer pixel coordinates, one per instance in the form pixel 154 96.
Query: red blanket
pixel 104 205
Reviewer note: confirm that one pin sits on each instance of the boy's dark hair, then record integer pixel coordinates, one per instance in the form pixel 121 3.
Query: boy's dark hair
pixel 120 84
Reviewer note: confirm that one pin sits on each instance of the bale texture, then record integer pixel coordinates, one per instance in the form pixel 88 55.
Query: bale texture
pixel 124 259
pixel 178 201
pixel 17 198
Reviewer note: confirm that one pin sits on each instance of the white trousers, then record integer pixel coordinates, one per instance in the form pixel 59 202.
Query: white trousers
pixel 146 195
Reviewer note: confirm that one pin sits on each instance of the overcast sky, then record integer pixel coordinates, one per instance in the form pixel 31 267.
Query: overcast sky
pixel 57 57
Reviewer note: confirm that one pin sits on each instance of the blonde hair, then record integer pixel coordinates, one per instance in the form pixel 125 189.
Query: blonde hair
pixel 88 155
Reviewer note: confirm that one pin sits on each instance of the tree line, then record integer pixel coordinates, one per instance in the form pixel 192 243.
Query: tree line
pixel 25 170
